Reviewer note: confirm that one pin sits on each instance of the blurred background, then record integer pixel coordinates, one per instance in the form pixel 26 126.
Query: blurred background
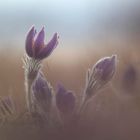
pixel 88 30
pixel 78 22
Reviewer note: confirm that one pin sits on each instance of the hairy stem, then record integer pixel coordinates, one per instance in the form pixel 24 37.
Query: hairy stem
pixel 28 94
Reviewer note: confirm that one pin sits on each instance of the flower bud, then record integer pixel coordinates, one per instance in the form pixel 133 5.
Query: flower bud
pixel 106 67
pixel 65 100
pixel 42 93
pixel 100 74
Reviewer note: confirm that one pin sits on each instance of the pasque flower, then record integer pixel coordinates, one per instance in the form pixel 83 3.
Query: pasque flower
pixel 100 74
pixel 42 93
pixel 97 77
pixel 65 100
pixel 106 67
pixel 35 46
pixel 36 50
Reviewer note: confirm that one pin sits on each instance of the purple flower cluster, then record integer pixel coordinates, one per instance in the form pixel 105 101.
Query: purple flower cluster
pixel 41 97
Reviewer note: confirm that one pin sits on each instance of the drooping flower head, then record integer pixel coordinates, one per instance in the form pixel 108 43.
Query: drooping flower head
pixel 65 100
pixel 35 45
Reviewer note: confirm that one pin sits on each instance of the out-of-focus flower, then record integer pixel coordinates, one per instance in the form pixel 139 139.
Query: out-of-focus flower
pixel 100 74
pixel 65 100
pixel 42 94
pixel 35 46
pixel 129 78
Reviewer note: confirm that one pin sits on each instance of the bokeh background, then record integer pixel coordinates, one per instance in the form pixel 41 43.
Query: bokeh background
pixel 88 30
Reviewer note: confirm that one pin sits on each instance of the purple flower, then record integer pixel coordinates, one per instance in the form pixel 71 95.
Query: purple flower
pixel 42 93
pixel 105 67
pixel 100 74
pixel 35 46
pixel 130 78
pixel 65 100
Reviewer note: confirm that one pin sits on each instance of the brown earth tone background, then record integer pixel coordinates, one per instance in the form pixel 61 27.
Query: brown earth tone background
pixel 113 112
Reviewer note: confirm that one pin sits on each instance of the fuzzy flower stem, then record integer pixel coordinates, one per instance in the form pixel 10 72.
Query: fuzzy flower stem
pixel 28 94
pixel 31 68
pixel 82 106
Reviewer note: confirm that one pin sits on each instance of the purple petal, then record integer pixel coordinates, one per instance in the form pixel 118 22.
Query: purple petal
pixel 29 41
pixel 107 66
pixel 69 101
pixel 61 89
pixel 42 94
pixel 39 42
pixel 65 100
pixel 48 49
pixel 110 68
pixel 41 90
